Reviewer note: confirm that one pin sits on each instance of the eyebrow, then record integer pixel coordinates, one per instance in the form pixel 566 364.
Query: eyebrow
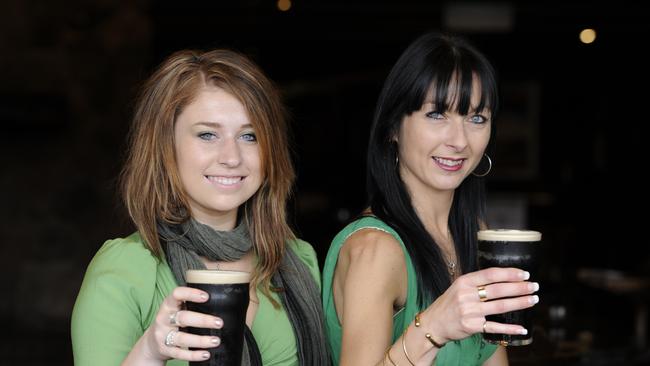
pixel 218 125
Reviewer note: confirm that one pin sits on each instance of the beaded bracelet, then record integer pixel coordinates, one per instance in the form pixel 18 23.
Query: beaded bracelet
pixel 428 335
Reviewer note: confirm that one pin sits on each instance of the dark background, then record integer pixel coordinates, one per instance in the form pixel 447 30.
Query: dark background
pixel 571 159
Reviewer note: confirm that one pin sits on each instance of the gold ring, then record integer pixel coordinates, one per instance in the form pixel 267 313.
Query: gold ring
pixel 482 293
pixel 484 325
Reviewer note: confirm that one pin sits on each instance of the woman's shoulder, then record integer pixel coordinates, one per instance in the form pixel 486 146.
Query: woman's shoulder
pixel 372 243
pixel 366 239
pixel 362 224
pixel 307 255
pixel 123 271
pixel 124 262
pixel 368 234
pixel 372 261
pixel 123 253
pixel 303 249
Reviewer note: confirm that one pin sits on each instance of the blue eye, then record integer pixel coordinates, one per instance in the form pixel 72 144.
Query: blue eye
pixel 249 137
pixel 478 119
pixel 207 136
pixel 435 115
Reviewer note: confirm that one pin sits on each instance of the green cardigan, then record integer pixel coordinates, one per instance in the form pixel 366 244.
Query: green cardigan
pixel 469 351
pixel 123 289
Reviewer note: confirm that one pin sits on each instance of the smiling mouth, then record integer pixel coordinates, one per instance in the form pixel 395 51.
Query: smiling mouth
pixel 449 162
pixel 225 181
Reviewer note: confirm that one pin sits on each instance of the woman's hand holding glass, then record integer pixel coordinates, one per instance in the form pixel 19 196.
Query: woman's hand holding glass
pixel 461 310
pixel 165 340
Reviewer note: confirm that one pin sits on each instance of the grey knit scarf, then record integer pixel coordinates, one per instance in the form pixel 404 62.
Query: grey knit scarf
pixel 299 294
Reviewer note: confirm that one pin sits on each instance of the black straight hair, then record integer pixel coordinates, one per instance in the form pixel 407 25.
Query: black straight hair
pixel 445 65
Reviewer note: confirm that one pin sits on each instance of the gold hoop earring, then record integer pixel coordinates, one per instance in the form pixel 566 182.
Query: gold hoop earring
pixel 488 170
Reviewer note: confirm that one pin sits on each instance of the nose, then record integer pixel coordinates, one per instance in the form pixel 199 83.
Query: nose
pixel 229 153
pixel 457 136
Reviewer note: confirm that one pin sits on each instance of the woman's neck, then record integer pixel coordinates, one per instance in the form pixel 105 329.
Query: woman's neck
pixel 433 210
pixel 246 263
pixel 220 223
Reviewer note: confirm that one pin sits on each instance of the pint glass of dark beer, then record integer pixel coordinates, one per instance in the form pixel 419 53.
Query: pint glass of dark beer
pixel 510 248
pixel 228 300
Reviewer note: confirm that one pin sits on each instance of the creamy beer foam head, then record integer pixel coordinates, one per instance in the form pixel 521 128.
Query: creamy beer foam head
pixel 509 235
pixel 215 277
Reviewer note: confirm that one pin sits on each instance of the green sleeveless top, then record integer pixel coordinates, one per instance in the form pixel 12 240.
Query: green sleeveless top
pixel 123 289
pixel 469 351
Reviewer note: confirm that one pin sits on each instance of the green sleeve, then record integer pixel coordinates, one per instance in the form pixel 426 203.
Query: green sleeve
pixel 113 303
pixel 307 254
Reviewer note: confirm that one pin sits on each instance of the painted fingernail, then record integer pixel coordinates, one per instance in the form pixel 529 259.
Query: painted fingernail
pixel 523 331
pixel 533 286
pixel 205 355
pixel 534 299
pixel 524 275
pixel 215 340
pixel 218 323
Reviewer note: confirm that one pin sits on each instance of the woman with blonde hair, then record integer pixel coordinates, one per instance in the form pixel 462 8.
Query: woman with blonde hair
pixel 206 182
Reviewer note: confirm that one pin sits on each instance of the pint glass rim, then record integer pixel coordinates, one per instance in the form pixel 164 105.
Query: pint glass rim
pixel 216 276
pixel 509 235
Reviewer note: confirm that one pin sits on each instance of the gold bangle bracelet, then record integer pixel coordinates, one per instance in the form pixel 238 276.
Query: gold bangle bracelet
pixel 404 347
pixel 428 335
pixel 435 344
pixel 387 355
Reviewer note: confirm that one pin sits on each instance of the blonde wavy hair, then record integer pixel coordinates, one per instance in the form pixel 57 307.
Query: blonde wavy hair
pixel 150 181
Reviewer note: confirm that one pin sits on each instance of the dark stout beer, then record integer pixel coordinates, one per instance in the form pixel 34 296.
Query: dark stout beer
pixel 510 248
pixel 228 300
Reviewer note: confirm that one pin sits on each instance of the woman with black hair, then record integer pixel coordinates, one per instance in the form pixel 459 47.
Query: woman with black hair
pixel 400 284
